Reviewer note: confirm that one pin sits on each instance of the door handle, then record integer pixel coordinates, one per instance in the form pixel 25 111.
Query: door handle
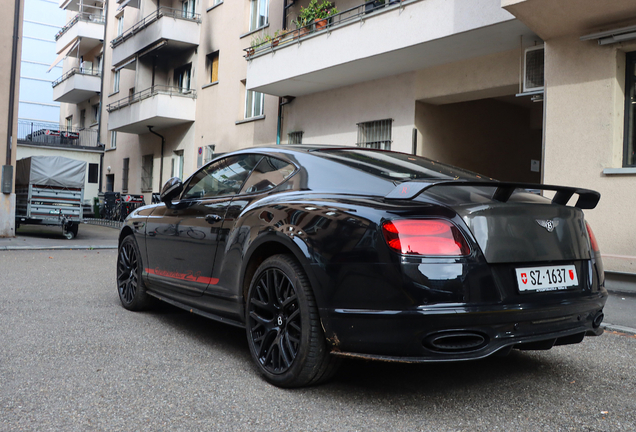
pixel 213 218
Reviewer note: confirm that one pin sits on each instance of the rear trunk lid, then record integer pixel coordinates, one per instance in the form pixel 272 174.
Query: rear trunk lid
pixel 527 228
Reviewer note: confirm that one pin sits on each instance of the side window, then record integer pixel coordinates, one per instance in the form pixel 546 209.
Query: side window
pixel 269 173
pixel 225 177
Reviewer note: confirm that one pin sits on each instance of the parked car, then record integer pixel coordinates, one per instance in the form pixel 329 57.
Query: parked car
pixel 324 252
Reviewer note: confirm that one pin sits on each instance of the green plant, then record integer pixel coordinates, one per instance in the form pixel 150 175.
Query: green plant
pixel 315 11
pixel 258 40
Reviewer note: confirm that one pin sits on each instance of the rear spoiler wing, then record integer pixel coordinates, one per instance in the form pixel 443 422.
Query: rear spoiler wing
pixel 588 199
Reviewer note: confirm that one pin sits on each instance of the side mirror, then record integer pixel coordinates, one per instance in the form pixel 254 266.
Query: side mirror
pixel 171 190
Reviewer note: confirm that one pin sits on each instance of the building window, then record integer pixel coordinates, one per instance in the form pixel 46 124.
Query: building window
pixel 375 134
pixel 95 113
pixel 177 164
pixel 113 139
pixel 146 173
pixel 93 173
pixel 629 157
pixel 295 137
pixel 116 82
pixel 182 77
pixel 258 13
pixel 212 66
pixel 98 62
pixel 216 2
pixel 188 8
pixel 110 182
pixel 120 25
pixel 82 119
pixel 69 122
pixel 124 175
pixel 209 153
pixel 253 104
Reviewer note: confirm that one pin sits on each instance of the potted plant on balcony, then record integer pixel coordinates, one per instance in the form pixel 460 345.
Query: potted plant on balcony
pixel 315 13
pixel 372 5
pixel 257 41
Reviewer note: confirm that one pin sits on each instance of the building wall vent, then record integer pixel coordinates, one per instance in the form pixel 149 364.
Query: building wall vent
pixel 533 69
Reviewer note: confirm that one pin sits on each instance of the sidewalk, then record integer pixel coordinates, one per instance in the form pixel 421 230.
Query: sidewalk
pixel 620 283
pixel 38 237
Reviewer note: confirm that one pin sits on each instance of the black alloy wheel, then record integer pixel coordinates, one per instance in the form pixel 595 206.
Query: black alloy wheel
pixel 130 285
pixel 283 326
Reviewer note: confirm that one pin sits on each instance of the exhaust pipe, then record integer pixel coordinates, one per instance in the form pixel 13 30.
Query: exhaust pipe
pixel 598 319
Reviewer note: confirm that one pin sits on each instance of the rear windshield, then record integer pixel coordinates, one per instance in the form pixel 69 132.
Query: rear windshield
pixel 397 167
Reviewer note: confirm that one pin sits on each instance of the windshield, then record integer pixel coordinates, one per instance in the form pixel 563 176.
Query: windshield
pixel 397 167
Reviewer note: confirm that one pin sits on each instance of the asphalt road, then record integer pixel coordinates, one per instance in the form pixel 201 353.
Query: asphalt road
pixel 71 358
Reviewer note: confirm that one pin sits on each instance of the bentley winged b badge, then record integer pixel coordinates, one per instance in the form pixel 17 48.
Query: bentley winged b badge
pixel 548 224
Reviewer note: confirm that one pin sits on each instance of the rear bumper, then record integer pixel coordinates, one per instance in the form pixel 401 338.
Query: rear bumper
pixel 453 332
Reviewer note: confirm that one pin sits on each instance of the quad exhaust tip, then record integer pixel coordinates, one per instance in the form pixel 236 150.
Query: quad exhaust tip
pixel 455 341
pixel 598 319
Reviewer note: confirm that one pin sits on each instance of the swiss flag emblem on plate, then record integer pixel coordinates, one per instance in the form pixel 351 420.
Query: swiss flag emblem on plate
pixel 524 278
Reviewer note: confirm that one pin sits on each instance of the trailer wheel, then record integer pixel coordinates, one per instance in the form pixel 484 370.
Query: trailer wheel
pixel 71 231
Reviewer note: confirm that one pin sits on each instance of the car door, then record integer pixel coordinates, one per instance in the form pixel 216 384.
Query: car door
pixel 182 238
pixel 270 173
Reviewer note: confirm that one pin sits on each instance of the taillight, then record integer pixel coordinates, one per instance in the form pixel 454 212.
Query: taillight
pixel 434 237
pixel 593 242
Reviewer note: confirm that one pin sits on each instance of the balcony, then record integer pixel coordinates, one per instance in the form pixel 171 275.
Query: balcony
pixel 171 29
pixel 87 27
pixel 158 106
pixel 56 135
pixel 76 85
pixel 76 5
pixel 554 19
pixel 362 44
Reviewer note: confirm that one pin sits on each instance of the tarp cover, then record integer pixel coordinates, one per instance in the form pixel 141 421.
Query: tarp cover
pixel 50 171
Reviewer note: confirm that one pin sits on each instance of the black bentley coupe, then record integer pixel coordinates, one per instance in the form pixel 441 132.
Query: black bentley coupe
pixel 324 252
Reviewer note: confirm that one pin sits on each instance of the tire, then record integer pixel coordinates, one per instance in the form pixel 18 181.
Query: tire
pixel 283 326
pixel 71 230
pixel 130 285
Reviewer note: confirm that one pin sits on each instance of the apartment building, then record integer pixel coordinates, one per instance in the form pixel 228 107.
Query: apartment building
pixel 76 85
pixel 520 90
pixel 174 89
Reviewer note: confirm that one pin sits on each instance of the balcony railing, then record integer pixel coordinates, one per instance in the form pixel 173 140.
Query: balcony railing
pixel 160 12
pixel 75 70
pixel 56 135
pixel 356 13
pixel 150 92
pixel 82 16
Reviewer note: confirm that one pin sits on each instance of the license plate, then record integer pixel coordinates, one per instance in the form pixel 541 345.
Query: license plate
pixel 553 278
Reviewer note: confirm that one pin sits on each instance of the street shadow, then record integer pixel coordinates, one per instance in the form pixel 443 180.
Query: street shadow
pixel 362 377
pixel 230 340
pixel 41 231
pixel 384 382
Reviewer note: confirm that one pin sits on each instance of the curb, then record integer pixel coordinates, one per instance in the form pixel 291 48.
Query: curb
pixel 619 329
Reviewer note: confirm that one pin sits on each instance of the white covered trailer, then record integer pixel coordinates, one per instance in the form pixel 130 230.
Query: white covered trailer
pixel 50 191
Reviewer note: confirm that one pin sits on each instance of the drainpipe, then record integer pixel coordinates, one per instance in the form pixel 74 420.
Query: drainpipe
pixel 282 101
pixel 101 97
pixel 280 120
pixel 7 170
pixel 414 141
pixel 163 141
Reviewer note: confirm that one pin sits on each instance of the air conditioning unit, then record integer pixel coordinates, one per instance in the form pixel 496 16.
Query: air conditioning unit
pixel 533 68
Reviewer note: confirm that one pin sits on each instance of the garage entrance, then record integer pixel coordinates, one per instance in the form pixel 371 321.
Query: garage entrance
pixel 500 137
